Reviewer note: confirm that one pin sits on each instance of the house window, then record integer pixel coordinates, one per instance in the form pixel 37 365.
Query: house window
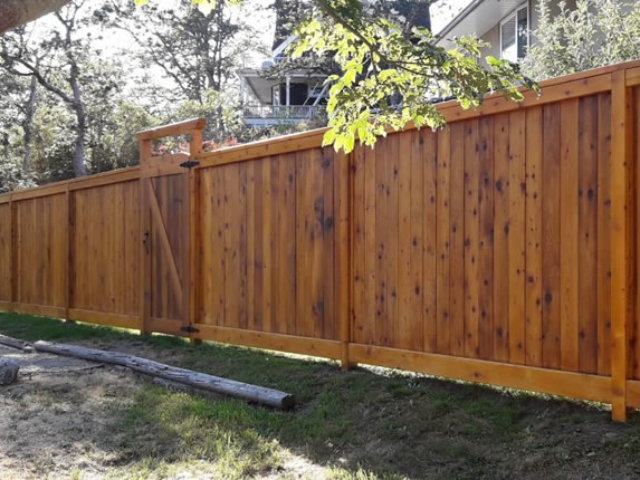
pixel 514 35
pixel 275 95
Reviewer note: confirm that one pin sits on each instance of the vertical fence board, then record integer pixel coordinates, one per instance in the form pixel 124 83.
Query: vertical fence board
pixel 486 276
pixel 551 328
pixel 443 247
pixel 587 231
pixel 428 151
pixel 370 246
pixel 286 289
pixel 358 315
pixel 456 240
pixel 517 235
pixel 5 252
pixel 329 327
pixel 534 295
pixel 569 253
pixel 604 238
pixel 404 335
pixel 471 237
pixel 501 238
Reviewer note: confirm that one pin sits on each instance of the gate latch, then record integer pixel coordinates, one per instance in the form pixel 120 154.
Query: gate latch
pixel 189 329
pixel 190 164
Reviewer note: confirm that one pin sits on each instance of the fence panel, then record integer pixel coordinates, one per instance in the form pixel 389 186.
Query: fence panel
pixel 482 240
pixel 106 263
pixel 268 245
pixel 41 236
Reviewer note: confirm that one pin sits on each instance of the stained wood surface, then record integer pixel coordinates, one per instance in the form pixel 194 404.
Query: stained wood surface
pixel 106 249
pixel 5 252
pixel 506 259
pixel 509 236
pixel 268 245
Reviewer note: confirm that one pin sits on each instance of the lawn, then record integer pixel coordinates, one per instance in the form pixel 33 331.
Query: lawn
pixel 364 424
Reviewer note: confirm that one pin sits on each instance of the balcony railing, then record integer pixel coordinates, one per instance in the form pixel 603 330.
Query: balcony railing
pixel 276 112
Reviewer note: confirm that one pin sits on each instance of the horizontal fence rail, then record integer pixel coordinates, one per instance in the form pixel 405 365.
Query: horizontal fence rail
pixel 501 249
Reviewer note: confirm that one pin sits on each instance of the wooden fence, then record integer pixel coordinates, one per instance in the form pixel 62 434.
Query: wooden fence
pixel 500 250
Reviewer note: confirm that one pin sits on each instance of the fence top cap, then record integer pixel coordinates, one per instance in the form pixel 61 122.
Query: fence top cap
pixel 180 128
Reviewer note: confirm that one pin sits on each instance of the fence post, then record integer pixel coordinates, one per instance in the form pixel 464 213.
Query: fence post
pixel 344 240
pixel 70 227
pixel 193 207
pixel 620 244
pixel 145 227
pixel 13 213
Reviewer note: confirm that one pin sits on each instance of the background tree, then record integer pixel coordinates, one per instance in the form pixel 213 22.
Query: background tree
pixel 198 52
pixel 59 55
pixel 18 102
pixel 380 62
pixel 594 34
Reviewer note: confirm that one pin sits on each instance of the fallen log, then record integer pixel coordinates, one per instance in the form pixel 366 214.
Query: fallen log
pixel 15 343
pixel 245 391
pixel 8 371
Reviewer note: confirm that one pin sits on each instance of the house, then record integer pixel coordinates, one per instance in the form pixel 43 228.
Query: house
pixel 288 96
pixel 505 24
pixel 271 97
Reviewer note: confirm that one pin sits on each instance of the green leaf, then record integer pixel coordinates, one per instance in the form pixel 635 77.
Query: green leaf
pixel 328 137
pixel 349 77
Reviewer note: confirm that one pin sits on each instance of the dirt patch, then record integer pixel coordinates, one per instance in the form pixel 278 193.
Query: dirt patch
pixel 68 418
pixel 57 423
pixel 53 419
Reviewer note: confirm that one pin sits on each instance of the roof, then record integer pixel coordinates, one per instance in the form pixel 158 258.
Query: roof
pixel 477 18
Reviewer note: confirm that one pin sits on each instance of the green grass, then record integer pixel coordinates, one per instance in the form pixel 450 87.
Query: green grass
pixel 364 424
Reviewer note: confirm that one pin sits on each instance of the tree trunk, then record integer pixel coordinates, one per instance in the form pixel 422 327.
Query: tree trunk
pixel 14 13
pixel 27 125
pixel 79 165
pixel 5 144
pixel 245 391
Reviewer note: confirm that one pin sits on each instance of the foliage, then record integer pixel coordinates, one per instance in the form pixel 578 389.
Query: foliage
pixel 221 110
pixel 388 72
pixel 389 79
pixel 594 34
pixel 196 51
pixel 12 177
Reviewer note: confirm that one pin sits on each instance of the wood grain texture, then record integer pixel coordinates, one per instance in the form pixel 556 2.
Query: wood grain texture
pixel 5 252
pixel 507 238
pixel 269 245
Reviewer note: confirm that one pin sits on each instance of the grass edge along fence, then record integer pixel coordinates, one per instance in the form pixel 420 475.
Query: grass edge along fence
pixel 500 250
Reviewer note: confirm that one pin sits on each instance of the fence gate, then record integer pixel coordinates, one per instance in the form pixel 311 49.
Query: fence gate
pixel 168 210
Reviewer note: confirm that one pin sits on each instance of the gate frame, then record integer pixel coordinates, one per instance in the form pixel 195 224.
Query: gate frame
pixel 158 166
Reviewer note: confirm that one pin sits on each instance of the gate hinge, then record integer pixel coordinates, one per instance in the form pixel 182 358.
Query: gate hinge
pixel 190 329
pixel 190 164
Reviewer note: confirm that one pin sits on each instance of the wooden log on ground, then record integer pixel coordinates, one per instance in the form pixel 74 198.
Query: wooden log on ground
pixel 15 343
pixel 251 393
pixel 8 371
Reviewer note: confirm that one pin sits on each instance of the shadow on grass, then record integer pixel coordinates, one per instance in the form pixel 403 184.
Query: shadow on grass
pixel 364 424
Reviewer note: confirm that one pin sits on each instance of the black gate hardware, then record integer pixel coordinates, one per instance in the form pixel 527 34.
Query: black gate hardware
pixel 190 164
pixel 190 329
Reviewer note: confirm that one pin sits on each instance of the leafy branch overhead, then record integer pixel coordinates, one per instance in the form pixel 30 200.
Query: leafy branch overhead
pixel 390 77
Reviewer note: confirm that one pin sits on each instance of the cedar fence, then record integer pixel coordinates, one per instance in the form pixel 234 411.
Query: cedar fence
pixel 501 250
